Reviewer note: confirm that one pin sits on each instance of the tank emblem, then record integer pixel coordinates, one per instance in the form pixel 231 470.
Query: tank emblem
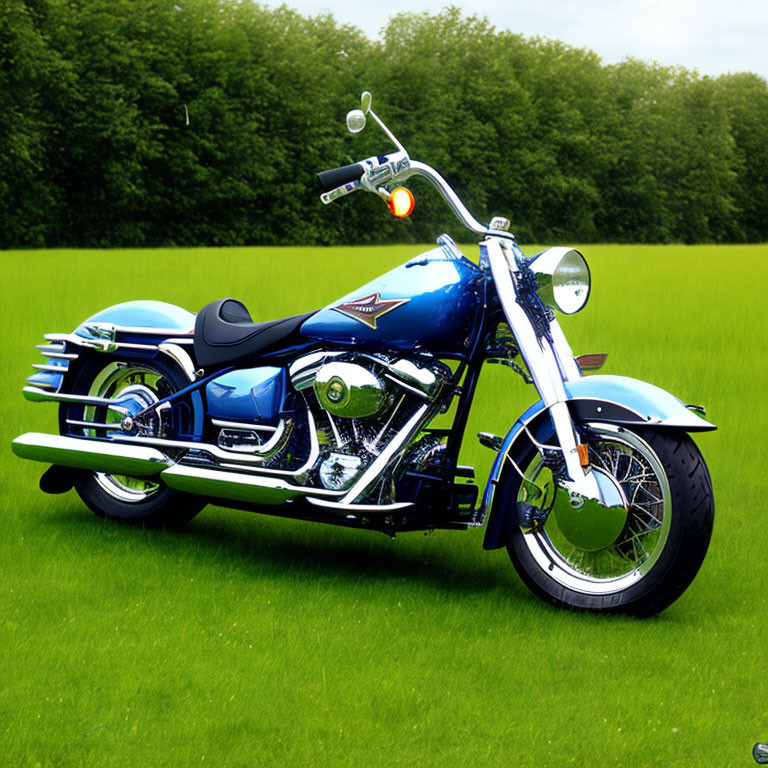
pixel 368 309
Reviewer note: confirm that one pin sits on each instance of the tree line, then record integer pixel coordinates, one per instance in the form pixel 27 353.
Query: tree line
pixel 203 122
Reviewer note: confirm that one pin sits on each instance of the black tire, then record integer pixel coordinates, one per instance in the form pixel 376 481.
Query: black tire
pixel 137 501
pixel 680 543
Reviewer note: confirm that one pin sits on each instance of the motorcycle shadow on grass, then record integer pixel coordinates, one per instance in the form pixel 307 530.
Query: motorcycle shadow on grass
pixel 220 541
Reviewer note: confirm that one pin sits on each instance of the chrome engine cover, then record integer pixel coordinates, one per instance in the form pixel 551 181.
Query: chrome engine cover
pixel 349 390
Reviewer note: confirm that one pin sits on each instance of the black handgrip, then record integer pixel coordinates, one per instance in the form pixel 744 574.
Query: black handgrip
pixel 337 176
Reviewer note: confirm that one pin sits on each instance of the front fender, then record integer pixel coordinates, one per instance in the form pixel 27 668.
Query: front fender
pixel 608 399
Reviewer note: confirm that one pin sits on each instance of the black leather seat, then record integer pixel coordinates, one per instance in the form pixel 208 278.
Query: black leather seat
pixel 225 332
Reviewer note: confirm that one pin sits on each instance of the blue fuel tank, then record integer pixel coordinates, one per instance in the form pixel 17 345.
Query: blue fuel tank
pixel 433 302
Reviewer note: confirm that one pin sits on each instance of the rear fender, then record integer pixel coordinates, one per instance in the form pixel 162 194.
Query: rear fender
pixel 606 399
pixel 135 329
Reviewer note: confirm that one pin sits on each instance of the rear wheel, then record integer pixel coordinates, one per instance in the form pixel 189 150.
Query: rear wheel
pixel 638 558
pixel 139 500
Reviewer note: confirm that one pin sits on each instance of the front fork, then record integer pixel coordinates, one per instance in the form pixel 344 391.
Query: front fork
pixel 549 365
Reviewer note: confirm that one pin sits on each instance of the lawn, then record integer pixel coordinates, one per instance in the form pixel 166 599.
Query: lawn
pixel 254 641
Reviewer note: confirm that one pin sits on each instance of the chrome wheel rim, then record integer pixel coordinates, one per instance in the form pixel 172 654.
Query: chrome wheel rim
pixel 640 541
pixel 147 386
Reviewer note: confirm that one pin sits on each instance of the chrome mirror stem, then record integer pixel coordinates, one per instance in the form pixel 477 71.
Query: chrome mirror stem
pixel 390 135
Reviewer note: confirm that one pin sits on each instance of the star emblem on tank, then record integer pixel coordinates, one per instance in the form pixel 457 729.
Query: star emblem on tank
pixel 369 308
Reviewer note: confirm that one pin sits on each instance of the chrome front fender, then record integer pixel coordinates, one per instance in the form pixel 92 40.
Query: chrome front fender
pixel 607 399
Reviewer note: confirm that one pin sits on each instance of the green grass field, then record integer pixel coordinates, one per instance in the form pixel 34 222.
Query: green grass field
pixel 254 641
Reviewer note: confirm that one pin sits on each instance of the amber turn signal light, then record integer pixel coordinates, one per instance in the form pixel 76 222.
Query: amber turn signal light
pixel 401 202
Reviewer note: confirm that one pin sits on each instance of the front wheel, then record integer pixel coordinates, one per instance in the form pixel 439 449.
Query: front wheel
pixel 637 559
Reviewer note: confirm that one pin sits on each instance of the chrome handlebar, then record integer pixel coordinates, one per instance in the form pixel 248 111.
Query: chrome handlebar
pixel 453 200
pixel 399 167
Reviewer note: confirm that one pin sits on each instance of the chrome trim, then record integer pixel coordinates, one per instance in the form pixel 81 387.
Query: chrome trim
pixel 381 462
pixel 345 507
pixel 97 455
pixel 101 330
pixel 179 341
pixel 50 368
pixel 266 449
pixel 126 345
pixel 188 445
pixel 114 426
pixel 56 351
pixel 138 330
pixel 100 345
pixel 61 355
pixel 236 486
pixel 242 425
pixel 43 386
pixel 180 357
pixel 421 381
pixel 37 395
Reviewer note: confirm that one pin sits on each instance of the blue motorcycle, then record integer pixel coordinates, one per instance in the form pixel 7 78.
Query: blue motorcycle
pixel 599 494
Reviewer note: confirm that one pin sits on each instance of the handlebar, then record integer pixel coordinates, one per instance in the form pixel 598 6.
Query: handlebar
pixel 338 177
pixel 375 174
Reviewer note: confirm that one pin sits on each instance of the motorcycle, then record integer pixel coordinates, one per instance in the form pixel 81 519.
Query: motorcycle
pixel 599 494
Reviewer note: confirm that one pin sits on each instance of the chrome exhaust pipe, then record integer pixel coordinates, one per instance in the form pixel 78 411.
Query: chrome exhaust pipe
pixel 236 486
pixel 97 455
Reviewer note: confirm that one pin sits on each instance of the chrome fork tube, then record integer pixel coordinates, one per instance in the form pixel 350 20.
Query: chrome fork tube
pixel 563 353
pixel 542 363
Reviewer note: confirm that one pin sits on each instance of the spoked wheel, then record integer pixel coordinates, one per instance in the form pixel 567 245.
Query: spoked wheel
pixel 637 557
pixel 145 501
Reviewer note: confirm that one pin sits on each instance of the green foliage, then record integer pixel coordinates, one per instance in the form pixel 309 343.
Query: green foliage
pixel 182 122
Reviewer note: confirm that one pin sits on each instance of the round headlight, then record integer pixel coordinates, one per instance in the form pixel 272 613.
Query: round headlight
pixel 562 279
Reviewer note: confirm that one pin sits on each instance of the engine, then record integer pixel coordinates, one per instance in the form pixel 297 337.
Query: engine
pixel 360 401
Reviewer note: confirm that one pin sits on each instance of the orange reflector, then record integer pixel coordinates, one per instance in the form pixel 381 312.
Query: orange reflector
pixel 583 454
pixel 401 202
pixel 591 362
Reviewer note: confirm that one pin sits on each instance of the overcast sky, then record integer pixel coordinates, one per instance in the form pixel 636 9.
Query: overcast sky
pixel 713 36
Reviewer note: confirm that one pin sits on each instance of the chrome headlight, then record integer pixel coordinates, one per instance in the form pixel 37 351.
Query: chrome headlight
pixel 562 279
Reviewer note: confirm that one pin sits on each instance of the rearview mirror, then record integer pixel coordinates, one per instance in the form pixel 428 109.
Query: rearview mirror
pixel 355 121
pixel 365 102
